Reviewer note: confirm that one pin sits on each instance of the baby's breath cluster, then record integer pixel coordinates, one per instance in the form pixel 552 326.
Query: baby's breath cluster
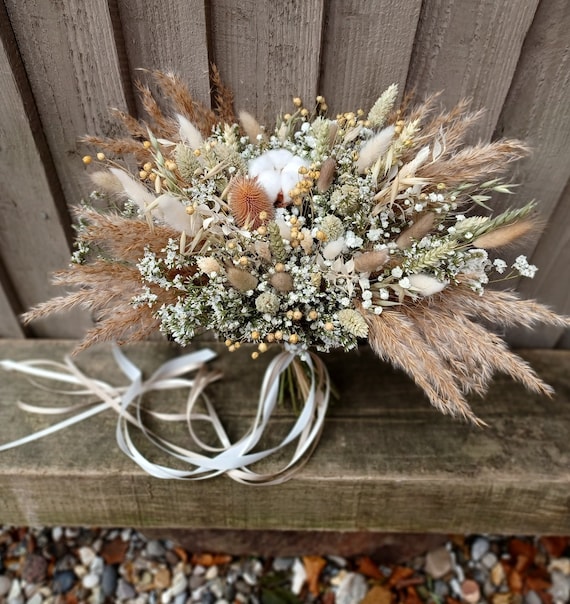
pixel 299 235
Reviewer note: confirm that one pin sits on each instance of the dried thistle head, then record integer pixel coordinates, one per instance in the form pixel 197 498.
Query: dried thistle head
pixel 248 201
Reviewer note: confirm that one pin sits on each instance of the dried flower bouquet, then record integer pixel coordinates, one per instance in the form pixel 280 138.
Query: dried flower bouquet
pixel 318 234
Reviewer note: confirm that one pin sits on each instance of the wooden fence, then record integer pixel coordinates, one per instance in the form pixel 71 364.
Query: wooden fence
pixel 64 62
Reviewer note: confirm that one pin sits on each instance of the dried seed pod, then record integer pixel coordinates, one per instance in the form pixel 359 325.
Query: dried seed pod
pixel 326 175
pixel 282 282
pixel 241 280
pixel 371 261
pixel 247 200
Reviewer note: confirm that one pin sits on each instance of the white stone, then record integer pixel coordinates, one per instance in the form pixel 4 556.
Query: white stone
pixel 352 589
pixel 479 548
pixel 86 555
pixel 299 577
pixel 90 580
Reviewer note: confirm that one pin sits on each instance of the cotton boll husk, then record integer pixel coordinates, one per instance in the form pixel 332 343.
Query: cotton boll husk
pixel 189 133
pixel 374 148
pixel 333 249
pixel 134 189
pixel 425 284
pixel 173 212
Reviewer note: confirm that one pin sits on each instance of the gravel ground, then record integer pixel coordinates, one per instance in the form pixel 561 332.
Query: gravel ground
pixel 76 565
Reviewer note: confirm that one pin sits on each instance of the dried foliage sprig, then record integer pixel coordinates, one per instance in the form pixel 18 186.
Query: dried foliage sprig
pixel 319 234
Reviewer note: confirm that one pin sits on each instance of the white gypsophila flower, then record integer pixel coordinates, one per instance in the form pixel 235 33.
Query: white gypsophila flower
pixel 397 272
pixel 405 283
pixel 524 268
pixel 500 265
pixel 277 171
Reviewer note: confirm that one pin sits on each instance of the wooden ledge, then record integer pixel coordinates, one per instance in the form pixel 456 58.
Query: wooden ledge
pixel 387 461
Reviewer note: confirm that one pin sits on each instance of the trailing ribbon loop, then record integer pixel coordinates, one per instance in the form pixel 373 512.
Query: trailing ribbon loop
pixel 232 459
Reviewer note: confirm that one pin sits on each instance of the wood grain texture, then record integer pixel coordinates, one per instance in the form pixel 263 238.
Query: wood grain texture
pixel 267 52
pixel 386 461
pixel 9 308
pixel 68 49
pixel 537 110
pixel 469 50
pixel 551 284
pixel 168 36
pixel 33 228
pixel 367 46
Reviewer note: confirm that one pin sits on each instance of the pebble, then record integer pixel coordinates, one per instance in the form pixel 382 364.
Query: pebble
pixel 299 577
pixel 479 548
pixel 109 580
pixel 560 589
pixel 5 584
pixel 63 581
pixel 35 569
pixel 438 562
pixel 470 591
pixel 125 591
pixel 352 589
pixel 90 580
pixel 489 560
pixel 86 555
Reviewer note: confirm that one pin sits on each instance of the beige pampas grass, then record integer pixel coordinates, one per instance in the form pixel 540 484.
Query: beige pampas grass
pixel 504 235
pixel 374 148
pixel 250 126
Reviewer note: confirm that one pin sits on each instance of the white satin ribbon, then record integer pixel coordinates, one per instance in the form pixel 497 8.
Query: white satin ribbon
pixel 228 458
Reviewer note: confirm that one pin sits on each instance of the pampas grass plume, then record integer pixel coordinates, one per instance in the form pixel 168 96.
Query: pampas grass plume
pixel 250 125
pixel 504 235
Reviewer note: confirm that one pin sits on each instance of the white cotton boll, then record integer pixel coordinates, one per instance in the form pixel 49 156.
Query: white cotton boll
pixel 279 158
pixel 260 164
pixel 270 180
pixel 333 249
pixel 171 211
pixel 288 181
pixel 425 284
pixel 189 133
pixel 374 148
pixel 134 189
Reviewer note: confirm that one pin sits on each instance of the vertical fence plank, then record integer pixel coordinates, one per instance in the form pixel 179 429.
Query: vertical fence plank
pixel 168 36
pixel 9 308
pixel 267 52
pixel 551 282
pixel 537 110
pixel 367 46
pixel 73 68
pixel 470 50
pixel 33 229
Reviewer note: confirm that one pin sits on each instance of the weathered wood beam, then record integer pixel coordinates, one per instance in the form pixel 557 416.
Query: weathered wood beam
pixel 386 461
